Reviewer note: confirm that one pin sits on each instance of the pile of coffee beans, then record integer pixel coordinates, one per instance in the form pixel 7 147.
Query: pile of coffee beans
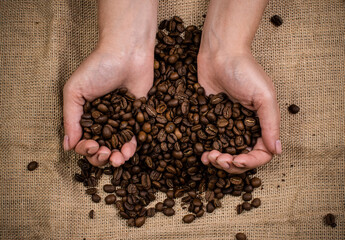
pixel 173 127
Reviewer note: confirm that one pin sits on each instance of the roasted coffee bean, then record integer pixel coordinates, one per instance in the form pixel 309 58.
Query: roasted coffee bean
pixel 241 236
pixel 293 109
pixel 246 206
pixel 91 191
pixel 159 207
pixel 169 202
pixel 91 214
pixel 168 211
pixel 109 188
pixel 330 220
pixel 140 221
pixel 110 199
pixel 173 126
pixel 210 207
pixel 276 20
pixel 255 182
pixel 96 198
pixel 239 209
pixel 188 218
pixel 247 197
pixel 32 165
pixel 121 192
pixel 256 202
pixel 150 212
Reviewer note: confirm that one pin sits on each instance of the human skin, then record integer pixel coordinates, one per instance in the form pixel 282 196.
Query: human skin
pixel 124 57
pixel 226 64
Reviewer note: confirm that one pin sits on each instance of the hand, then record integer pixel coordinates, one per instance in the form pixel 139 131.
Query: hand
pixel 123 57
pixel 243 79
pixel 102 72
pixel 225 64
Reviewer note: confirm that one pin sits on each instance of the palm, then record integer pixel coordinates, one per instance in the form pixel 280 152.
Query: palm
pixel 99 74
pixel 244 81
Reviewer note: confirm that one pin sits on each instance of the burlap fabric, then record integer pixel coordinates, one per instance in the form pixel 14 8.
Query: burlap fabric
pixel 43 42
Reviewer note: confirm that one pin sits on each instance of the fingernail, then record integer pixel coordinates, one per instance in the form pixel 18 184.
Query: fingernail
pixel 66 143
pixel 91 150
pixel 238 164
pixel 278 147
pixel 102 157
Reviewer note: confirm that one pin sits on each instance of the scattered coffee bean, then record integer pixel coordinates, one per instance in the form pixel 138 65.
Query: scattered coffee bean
pixel 276 20
pixel 188 218
pixel 96 198
pixel 168 211
pixel 32 165
pixel 330 220
pixel 91 214
pixel 256 202
pixel 241 236
pixel 140 221
pixel 110 199
pixel 255 182
pixel 293 109
pixel 91 191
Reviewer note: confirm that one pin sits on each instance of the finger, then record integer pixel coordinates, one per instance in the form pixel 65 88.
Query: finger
pixel 116 159
pixel 204 158
pixel 87 147
pixel 72 111
pixel 269 116
pixel 212 156
pixel 225 162
pixel 129 148
pixel 101 157
pixel 259 156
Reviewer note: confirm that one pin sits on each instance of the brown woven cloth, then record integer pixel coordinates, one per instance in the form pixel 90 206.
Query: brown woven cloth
pixel 42 42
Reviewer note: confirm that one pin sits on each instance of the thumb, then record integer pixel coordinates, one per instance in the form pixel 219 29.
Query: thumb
pixel 72 111
pixel 269 116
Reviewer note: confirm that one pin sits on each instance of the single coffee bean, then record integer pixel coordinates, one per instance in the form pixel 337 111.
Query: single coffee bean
pixel 255 182
pixel 168 211
pixel 32 165
pixel 247 197
pixel 276 20
pixel 188 218
pixel 246 206
pixel 159 207
pixel 200 213
pixel 91 214
pixel 131 222
pixel 293 109
pixel 109 188
pixel 91 191
pixel 96 198
pixel 197 202
pixel 140 221
pixel 241 236
pixel 210 207
pixel 330 220
pixel 151 212
pixel 239 209
pixel 110 199
pixel 169 202
pixel 256 202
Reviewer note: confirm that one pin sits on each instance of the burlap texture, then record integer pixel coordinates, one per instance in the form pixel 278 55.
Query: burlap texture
pixel 42 42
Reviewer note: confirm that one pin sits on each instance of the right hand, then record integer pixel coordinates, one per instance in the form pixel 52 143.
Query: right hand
pixel 102 72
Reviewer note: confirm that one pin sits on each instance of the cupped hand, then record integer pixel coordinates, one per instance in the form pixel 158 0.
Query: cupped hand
pixel 244 81
pixel 102 72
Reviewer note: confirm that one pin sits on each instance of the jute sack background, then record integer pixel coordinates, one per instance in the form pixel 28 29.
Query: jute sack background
pixel 42 42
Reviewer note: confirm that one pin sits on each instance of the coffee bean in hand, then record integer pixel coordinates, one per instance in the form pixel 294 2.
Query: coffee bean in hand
pixel 173 126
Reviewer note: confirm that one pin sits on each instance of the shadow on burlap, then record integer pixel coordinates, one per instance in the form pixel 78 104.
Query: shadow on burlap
pixel 43 42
